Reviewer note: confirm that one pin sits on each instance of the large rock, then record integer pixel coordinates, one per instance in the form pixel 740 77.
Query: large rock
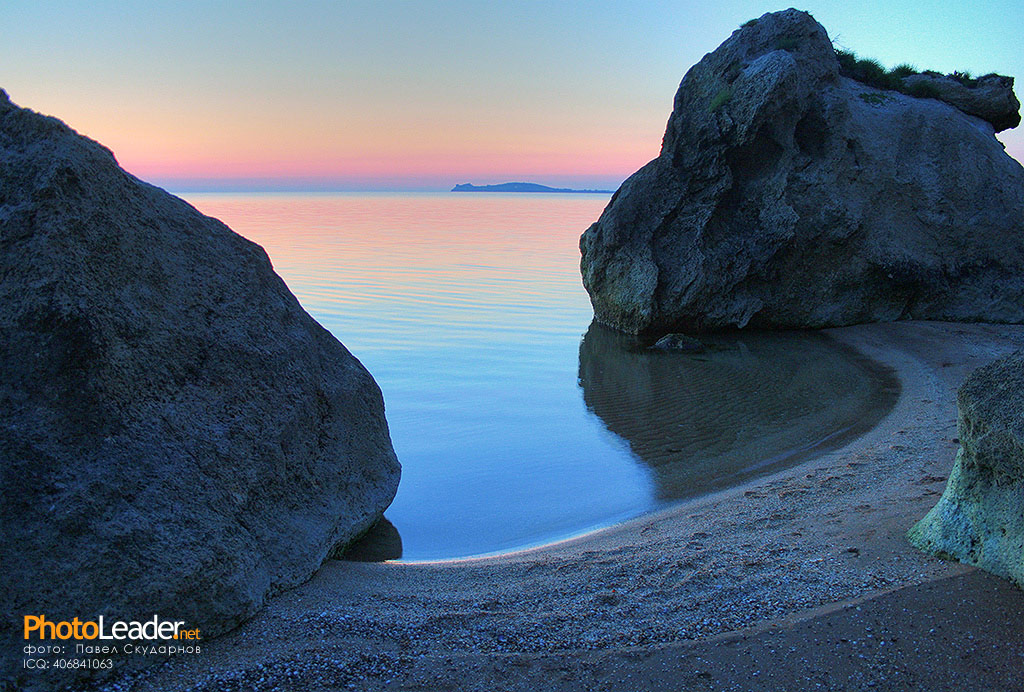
pixel 788 196
pixel 980 517
pixel 177 435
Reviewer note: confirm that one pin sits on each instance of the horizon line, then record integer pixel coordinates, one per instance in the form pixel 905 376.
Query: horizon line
pixel 287 184
pixel 179 189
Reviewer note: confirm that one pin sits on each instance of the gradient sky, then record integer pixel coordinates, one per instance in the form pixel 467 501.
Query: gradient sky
pixel 420 95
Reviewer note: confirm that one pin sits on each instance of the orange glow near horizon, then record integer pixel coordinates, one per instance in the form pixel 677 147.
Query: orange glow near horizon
pixel 413 244
pixel 151 143
pixel 612 164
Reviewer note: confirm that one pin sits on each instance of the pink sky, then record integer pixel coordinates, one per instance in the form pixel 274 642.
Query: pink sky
pixel 363 93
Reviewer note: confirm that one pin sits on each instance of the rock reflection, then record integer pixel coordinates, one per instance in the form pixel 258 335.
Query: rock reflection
pixel 751 404
pixel 382 542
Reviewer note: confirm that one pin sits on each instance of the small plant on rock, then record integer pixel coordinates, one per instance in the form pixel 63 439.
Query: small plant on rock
pixel 965 78
pixel 720 99
pixel 787 43
pixel 903 70
pixel 923 90
pixel 875 98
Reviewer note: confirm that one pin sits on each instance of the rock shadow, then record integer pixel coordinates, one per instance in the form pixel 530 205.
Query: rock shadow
pixel 752 403
pixel 382 542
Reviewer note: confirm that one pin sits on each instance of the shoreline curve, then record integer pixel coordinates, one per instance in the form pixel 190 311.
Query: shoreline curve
pixel 657 600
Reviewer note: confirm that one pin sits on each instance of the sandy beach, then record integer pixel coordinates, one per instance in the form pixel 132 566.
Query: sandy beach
pixel 799 580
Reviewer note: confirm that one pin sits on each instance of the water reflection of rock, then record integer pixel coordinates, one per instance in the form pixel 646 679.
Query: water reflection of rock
pixel 752 404
pixel 382 542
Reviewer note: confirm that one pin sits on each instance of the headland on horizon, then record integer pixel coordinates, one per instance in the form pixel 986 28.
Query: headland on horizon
pixel 521 187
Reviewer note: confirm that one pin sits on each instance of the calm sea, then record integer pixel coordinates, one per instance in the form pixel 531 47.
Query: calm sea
pixel 516 422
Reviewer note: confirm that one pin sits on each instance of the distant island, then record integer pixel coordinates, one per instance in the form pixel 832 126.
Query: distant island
pixel 522 187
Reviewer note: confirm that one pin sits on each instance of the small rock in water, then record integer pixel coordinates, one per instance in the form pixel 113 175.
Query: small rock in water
pixel 680 343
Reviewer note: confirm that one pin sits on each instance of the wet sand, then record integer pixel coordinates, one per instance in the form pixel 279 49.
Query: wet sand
pixel 797 580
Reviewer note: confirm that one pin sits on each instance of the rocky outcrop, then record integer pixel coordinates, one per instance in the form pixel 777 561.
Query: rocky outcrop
pixel 178 436
pixel 980 518
pixel 789 196
pixel 990 98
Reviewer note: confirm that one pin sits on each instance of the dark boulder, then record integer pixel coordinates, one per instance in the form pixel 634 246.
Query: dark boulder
pixel 178 436
pixel 789 196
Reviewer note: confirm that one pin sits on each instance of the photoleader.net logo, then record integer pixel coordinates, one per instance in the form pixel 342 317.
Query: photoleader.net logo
pixel 96 642
pixel 40 628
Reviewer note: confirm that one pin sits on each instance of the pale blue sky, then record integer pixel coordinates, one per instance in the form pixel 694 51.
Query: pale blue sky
pixel 420 94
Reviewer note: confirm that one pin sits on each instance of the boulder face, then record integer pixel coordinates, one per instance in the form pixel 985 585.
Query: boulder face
pixel 178 435
pixel 979 519
pixel 789 196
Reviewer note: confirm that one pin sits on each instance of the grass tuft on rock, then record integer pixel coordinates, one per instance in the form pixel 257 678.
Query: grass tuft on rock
pixel 903 70
pixel 720 99
pixel 871 72
pixel 874 98
pixel 923 90
pixel 787 43
pixel 965 78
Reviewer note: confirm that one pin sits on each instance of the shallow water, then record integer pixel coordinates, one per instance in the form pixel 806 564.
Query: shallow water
pixel 752 403
pixel 515 421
